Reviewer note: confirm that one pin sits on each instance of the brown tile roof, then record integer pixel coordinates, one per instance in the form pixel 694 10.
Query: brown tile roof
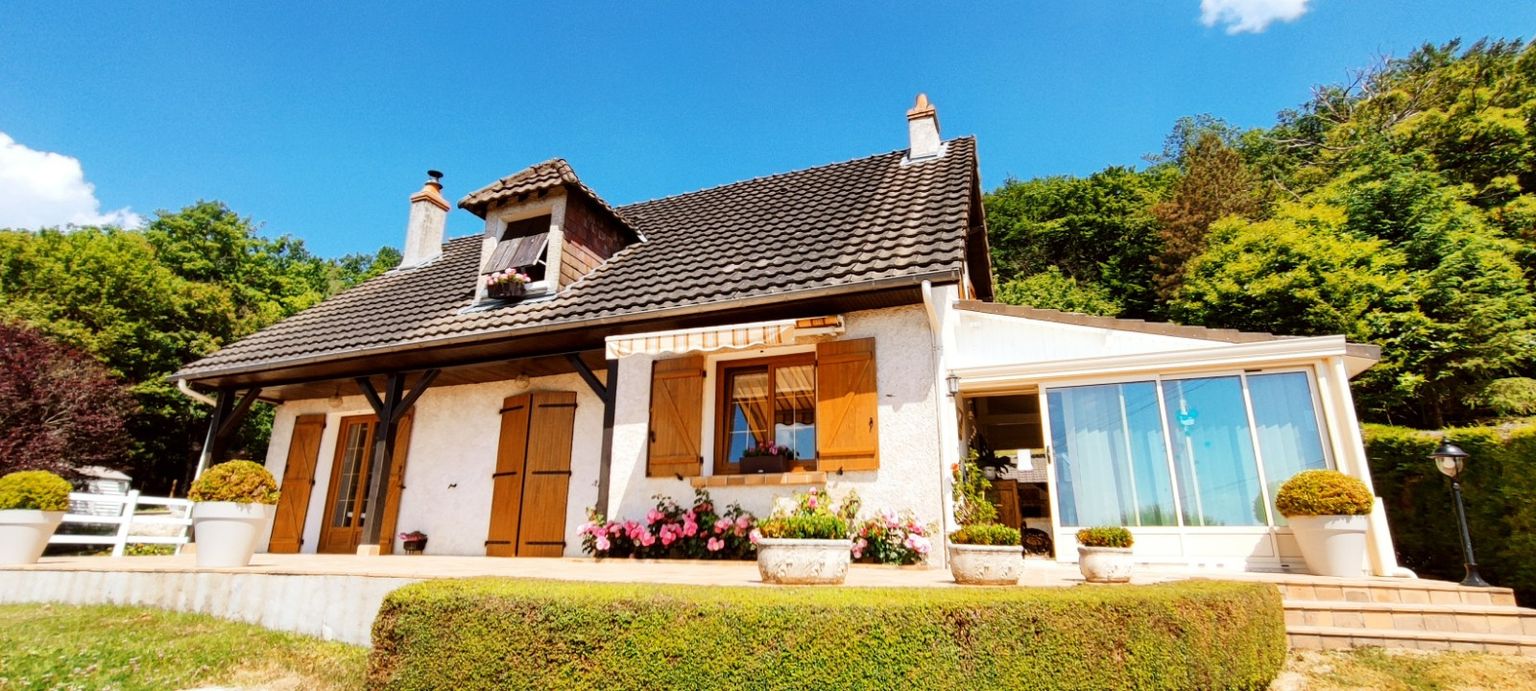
pixel 539 177
pixel 831 227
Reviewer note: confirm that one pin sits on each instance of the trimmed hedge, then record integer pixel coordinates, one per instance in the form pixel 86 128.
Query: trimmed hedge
pixel 488 633
pixel 1323 493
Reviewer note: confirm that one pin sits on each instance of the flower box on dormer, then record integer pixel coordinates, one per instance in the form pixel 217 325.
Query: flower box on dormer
pixel 507 291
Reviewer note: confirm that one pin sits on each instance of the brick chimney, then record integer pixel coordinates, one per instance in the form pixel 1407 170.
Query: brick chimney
pixel 923 131
pixel 424 230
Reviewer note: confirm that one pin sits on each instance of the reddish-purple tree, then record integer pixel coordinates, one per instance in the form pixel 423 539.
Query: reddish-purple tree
pixel 59 409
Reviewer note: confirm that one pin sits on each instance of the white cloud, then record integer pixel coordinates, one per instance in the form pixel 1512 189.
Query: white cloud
pixel 1250 16
pixel 39 189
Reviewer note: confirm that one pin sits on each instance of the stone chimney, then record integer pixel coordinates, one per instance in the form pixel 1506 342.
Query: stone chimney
pixel 923 131
pixel 424 230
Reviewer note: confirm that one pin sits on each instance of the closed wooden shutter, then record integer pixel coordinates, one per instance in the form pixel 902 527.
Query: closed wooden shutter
pixel 396 484
pixel 547 480
pixel 298 484
pixel 847 406
pixel 507 478
pixel 677 417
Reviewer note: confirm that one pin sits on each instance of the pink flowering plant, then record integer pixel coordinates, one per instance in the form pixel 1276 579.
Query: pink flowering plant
pixel 811 515
pixel 670 531
pixel 506 277
pixel 770 449
pixel 892 538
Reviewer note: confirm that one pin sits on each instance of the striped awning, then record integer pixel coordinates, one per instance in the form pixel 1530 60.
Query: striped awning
pixel 757 334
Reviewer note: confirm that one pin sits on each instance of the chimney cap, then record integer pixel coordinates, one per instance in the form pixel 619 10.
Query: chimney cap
pixel 436 175
pixel 922 109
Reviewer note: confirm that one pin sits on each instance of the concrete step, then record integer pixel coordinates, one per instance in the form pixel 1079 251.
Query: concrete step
pixel 1340 637
pixel 1400 616
pixel 1404 590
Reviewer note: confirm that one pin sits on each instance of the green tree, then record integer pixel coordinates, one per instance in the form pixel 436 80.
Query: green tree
pixel 1215 184
pixel 1051 289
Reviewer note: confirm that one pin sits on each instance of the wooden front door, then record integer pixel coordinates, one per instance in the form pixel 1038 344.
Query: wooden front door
pixel 532 477
pixel 346 502
pixel 298 484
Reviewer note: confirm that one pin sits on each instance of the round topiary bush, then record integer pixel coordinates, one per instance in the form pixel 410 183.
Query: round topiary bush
pixel 34 489
pixel 1106 536
pixel 1323 493
pixel 242 482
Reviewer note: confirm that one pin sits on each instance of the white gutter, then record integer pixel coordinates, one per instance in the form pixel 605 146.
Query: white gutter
pixel 939 393
pixel 189 392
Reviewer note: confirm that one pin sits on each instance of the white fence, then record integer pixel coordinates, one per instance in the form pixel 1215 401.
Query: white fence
pixel 164 524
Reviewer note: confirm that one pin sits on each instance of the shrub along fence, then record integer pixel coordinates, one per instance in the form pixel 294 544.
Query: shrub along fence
pixel 505 633
pixel 1499 486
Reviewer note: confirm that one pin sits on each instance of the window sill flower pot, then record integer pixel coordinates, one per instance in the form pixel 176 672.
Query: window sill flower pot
pixel 227 532
pixel 752 465
pixel 1105 564
pixel 415 546
pixel 986 564
pixel 1331 545
pixel 507 291
pixel 803 562
pixel 24 534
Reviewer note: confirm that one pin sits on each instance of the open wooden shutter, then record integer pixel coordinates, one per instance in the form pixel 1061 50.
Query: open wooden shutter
pixel 547 480
pixel 298 484
pixel 396 484
pixel 507 478
pixel 847 406
pixel 677 417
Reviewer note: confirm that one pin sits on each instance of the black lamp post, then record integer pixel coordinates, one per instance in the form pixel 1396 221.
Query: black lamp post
pixel 1450 459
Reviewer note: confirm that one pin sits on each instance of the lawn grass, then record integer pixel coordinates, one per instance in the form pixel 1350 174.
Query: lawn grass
pixel 1404 670
pixel 95 647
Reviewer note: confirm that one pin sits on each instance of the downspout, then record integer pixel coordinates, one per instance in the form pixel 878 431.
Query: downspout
pixel 189 392
pixel 939 394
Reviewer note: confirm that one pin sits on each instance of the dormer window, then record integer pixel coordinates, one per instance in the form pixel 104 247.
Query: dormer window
pixel 524 249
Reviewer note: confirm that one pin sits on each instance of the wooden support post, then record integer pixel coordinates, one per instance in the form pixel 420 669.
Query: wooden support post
pixel 586 375
pixel 224 403
pixel 605 460
pixel 390 408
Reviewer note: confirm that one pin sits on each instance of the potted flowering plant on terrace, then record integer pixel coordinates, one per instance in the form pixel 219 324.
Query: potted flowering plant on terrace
pixel 415 542
pixel 232 505
pixel 507 283
pixel 891 538
pixel 32 504
pixel 981 552
pixel 1327 511
pixel 766 458
pixel 701 531
pixel 1104 554
pixel 805 541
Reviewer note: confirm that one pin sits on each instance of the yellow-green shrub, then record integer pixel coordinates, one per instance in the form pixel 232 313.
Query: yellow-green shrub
pixel 993 534
pixel 519 634
pixel 1323 493
pixel 34 489
pixel 242 482
pixel 1106 536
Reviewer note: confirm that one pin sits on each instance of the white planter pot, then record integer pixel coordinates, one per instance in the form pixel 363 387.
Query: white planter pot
pixel 803 562
pixel 1105 564
pixel 986 564
pixel 24 533
pixel 227 532
pixel 1332 545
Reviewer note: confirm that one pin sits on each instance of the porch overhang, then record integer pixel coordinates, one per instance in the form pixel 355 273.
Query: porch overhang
pixel 779 332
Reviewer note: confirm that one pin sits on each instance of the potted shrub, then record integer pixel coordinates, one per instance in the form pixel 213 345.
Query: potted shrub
pixel 507 284
pixel 766 458
pixel 32 503
pixel 805 542
pixel 232 505
pixel 1327 511
pixel 1104 554
pixel 981 552
pixel 415 542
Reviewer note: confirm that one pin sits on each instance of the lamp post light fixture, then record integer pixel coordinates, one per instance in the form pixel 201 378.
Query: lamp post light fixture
pixel 953 381
pixel 1450 460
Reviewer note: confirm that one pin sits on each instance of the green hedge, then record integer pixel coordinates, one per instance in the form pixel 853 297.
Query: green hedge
pixel 1499 485
pixel 503 633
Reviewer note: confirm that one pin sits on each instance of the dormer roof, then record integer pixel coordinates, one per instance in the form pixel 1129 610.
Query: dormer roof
pixel 531 181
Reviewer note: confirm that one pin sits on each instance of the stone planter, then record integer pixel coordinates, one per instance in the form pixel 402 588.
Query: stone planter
pixel 803 562
pixel 227 532
pixel 1105 564
pixel 986 564
pixel 24 534
pixel 1331 545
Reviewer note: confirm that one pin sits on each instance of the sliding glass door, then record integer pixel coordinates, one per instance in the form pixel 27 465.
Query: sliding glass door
pixel 1203 451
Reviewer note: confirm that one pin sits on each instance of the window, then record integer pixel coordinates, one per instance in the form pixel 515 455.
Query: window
pixel 767 400
pixel 523 246
pixel 1191 451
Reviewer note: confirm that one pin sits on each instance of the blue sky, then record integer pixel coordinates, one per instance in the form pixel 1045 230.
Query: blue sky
pixel 319 119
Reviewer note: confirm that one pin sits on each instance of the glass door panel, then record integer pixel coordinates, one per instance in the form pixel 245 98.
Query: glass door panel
pixel 1110 456
pixel 1212 446
pixel 1289 438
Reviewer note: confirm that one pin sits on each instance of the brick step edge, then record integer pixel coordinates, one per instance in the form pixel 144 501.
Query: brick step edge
pixel 1410 608
pixel 1343 637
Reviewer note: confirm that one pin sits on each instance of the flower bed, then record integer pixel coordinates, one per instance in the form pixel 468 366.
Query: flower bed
pixel 892 538
pixel 670 531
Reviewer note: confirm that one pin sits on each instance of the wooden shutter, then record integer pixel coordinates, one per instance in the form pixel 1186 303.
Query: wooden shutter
pixel 847 406
pixel 677 417
pixel 507 478
pixel 298 485
pixel 547 480
pixel 396 484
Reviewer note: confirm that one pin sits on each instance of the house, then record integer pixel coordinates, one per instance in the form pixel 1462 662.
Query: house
pixel 844 311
